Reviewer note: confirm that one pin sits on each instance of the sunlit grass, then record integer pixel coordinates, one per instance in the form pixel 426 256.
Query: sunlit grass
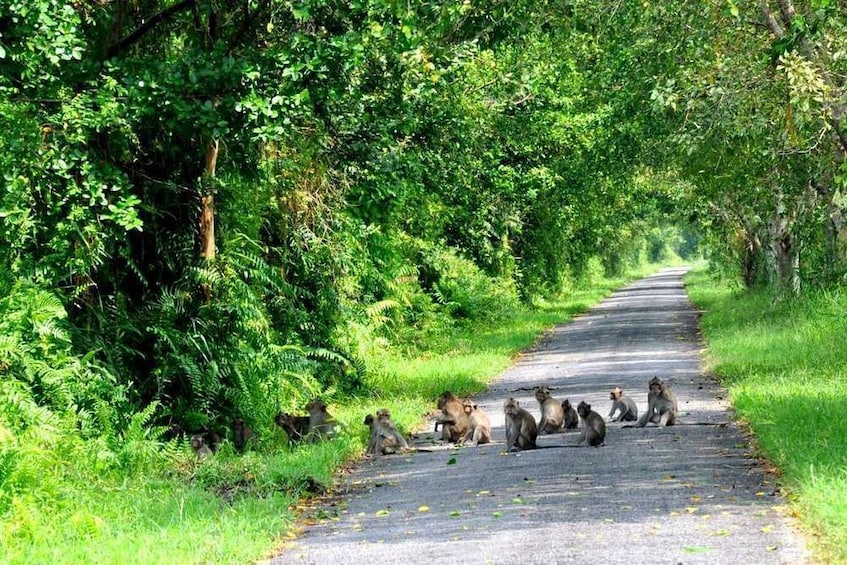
pixel 784 366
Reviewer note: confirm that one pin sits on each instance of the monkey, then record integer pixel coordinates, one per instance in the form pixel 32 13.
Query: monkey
pixel 384 437
pixel 321 424
pixel 213 439
pixel 552 413
pixel 198 444
pixel 242 435
pixel 295 427
pixel 571 417
pixel 479 425
pixel 453 420
pixel 521 430
pixel 661 405
pixel 593 426
pixel 628 411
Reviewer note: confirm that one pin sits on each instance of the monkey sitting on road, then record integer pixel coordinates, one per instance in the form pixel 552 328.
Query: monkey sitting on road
pixel 384 438
pixel 552 413
pixel 453 420
pixel 521 430
pixel 628 411
pixel 593 426
pixel 571 417
pixel 661 405
pixel 479 425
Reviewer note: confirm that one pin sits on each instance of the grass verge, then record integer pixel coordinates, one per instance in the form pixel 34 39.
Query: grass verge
pixel 784 367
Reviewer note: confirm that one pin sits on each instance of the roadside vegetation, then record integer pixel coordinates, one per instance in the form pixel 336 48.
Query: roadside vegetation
pixel 783 364
pixel 69 501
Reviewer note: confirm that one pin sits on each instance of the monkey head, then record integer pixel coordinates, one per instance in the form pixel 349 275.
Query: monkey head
pixel 615 393
pixel 583 409
pixel 445 397
pixel 542 393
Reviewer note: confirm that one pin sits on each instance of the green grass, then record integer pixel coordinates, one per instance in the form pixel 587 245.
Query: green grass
pixel 784 365
pixel 58 508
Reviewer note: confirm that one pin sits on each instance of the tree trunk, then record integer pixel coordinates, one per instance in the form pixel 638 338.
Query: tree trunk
pixel 207 214
pixel 785 250
pixel 752 266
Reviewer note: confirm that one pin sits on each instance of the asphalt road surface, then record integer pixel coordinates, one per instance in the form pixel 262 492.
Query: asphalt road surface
pixel 691 493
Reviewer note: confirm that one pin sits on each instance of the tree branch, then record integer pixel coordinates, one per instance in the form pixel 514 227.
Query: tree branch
pixel 149 24
pixel 770 21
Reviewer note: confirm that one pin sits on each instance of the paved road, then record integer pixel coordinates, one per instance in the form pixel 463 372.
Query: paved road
pixel 684 494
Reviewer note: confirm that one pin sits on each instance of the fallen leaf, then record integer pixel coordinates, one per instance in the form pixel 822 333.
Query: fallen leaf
pixel 423 509
pixel 772 547
pixel 451 461
pixel 497 514
pixel 691 509
pixel 517 501
pixel 721 533
pixel 696 549
pixel 766 529
pixel 608 520
pixel 483 492
pixel 381 513
pixel 454 514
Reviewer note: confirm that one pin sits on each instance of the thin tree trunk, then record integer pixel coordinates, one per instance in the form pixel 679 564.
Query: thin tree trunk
pixel 207 214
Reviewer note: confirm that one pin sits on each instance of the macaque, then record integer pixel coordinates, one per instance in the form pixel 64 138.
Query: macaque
pixel 521 430
pixel 571 417
pixel 661 405
pixel 198 444
pixel 593 426
pixel 242 435
pixel 453 420
pixel 321 424
pixel 212 439
pixel 479 425
pixel 384 439
pixel 552 414
pixel 628 411
pixel 295 427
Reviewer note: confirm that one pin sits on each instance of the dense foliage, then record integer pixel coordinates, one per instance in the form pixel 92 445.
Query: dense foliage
pixel 213 210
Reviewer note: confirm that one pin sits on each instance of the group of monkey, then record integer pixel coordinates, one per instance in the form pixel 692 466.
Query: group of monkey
pixel 318 425
pixel 462 421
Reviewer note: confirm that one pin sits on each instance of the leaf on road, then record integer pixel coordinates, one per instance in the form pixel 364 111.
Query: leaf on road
pixel 423 509
pixel 451 461
pixel 497 514
pixel 766 529
pixel 381 513
pixel 517 500
pixel 720 533
pixel 696 549
pixel 455 514
pixel 483 492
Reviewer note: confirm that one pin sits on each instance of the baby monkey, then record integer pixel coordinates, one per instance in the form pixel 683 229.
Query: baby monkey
pixel 571 417
pixel 628 411
pixel 479 425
